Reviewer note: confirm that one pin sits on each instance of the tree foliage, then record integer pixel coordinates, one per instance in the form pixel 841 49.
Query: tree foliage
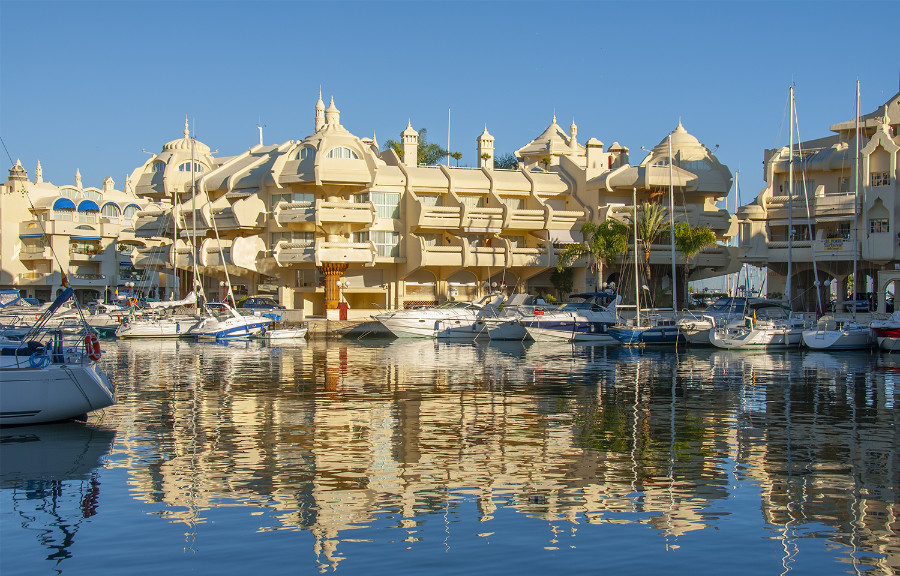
pixel 690 241
pixel 601 244
pixel 506 162
pixel 429 154
pixel 561 278
pixel 651 222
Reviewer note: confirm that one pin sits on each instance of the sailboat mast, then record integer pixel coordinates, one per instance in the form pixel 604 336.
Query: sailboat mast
pixel 790 231
pixel 672 225
pixel 856 212
pixel 637 279
pixel 193 226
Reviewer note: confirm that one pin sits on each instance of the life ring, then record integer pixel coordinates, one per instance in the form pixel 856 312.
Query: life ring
pixel 92 347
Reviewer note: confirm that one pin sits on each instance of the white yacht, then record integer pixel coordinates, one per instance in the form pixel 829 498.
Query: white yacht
pixel 772 325
pixel 584 321
pixel 448 320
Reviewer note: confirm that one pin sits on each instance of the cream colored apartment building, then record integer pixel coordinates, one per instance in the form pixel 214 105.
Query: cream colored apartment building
pixel 330 218
pixel 81 233
pixel 834 213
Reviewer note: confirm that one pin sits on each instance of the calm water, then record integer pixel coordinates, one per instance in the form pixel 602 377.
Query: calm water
pixel 401 457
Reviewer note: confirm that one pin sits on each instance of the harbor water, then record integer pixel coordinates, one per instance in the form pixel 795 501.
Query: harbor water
pixel 406 456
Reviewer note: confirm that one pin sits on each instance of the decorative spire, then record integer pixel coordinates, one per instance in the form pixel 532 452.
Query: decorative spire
pixel 320 112
pixel 77 178
pixel 187 130
pixel 38 173
pixel 332 114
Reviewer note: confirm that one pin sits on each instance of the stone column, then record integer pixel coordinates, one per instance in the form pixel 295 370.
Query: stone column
pixel 332 271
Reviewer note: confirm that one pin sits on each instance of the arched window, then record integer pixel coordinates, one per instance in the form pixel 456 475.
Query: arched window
pixel 130 210
pixel 342 152
pixel 159 166
pixel 306 152
pixel 186 167
pixel 111 210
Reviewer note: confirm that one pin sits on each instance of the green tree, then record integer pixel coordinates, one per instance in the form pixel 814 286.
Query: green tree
pixel 601 244
pixel 428 154
pixel 506 162
pixel 456 156
pixel 651 222
pixel 690 241
pixel 561 278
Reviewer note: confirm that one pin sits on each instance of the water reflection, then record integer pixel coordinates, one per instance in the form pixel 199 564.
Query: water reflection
pixel 50 473
pixel 331 436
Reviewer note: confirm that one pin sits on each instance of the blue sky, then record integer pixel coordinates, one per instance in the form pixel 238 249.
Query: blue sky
pixel 87 85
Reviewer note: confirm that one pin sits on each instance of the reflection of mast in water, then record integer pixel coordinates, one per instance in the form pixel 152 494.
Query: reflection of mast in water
pixel 51 474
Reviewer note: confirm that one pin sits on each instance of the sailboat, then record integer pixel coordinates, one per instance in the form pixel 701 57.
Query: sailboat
pixel 834 334
pixel 652 328
pixel 774 325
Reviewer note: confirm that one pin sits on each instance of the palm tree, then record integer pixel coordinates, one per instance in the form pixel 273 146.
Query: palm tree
pixel 690 241
pixel 651 224
pixel 456 156
pixel 601 244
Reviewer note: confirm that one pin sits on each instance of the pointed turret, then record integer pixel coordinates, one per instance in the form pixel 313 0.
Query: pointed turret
pixel 409 142
pixel 332 114
pixel 38 173
pixel 77 178
pixel 17 173
pixel 485 150
pixel 320 113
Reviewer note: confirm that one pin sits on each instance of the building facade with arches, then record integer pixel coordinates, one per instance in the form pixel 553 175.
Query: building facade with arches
pixel 842 205
pixel 74 234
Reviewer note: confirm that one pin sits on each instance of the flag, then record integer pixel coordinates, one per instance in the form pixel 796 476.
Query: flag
pixel 117 290
pixel 65 280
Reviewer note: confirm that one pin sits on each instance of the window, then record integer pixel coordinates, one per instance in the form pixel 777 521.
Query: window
pixel 880 179
pixel 63 214
pixel 515 241
pixel 696 165
pixel 844 185
pixel 186 167
pixel 295 237
pixel 387 244
pixel 69 193
pixel 111 211
pixel 431 200
pixel 431 239
pixel 92 195
pixel 159 166
pixel 513 202
pixel 879 225
pixel 306 152
pixel 130 210
pixel 307 198
pixel 342 152
pixel 473 201
pixel 387 204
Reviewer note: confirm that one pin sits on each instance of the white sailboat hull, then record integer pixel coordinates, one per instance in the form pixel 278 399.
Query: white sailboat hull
pixel 55 392
pixel 855 338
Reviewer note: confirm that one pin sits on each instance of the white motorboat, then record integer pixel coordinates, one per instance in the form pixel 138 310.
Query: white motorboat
pixel 162 321
pixel 282 334
pixel 225 323
pixel 48 377
pixel 506 325
pixel 448 320
pixel 586 320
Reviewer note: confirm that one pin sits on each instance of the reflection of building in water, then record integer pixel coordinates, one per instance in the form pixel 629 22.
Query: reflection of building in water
pixel 334 436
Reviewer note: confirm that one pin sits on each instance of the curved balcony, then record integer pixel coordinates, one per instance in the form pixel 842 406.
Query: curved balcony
pixel 345 252
pixel 294 213
pixel 362 213
pixel 289 253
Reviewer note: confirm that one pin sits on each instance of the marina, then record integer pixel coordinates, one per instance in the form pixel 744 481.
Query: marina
pixel 377 455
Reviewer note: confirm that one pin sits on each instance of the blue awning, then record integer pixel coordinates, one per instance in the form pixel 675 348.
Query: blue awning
pixel 84 237
pixel 88 206
pixel 31 235
pixel 63 204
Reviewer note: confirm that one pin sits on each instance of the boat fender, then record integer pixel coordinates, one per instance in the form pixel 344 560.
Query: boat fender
pixel 92 347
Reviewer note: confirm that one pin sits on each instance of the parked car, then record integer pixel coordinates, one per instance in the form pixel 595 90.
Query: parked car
pixel 260 302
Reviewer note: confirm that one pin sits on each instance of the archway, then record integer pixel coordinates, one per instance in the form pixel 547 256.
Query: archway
pixel 421 289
